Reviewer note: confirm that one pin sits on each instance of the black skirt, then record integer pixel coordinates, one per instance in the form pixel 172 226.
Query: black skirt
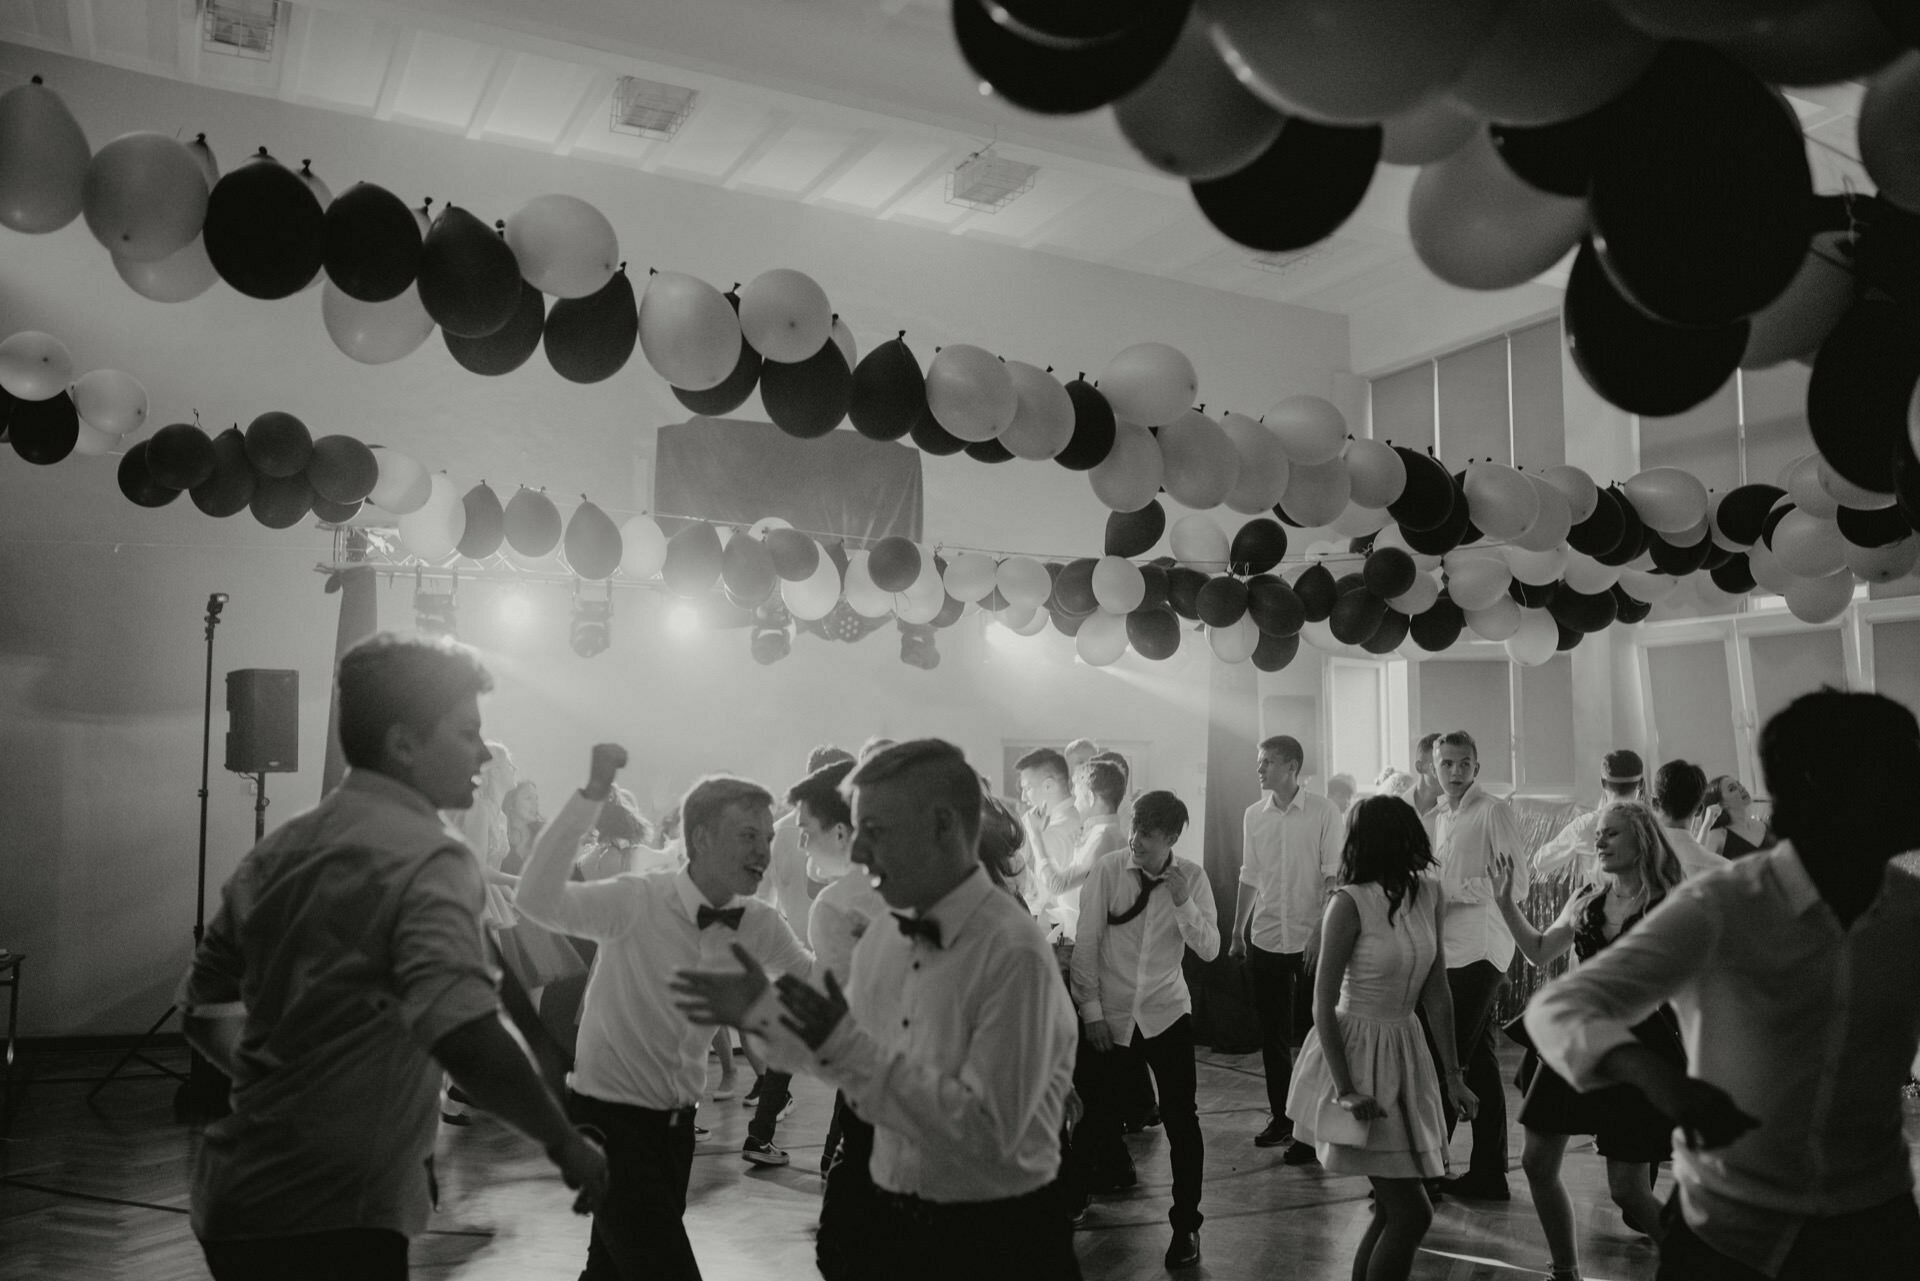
pixel 1625 1126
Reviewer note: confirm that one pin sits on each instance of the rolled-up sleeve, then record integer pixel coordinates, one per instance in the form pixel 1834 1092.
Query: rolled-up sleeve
pixel 439 959
pixel 211 986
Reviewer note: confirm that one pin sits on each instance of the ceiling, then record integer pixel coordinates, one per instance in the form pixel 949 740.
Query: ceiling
pixel 861 106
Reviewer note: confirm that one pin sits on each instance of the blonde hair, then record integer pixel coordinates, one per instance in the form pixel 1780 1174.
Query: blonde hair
pixel 1660 868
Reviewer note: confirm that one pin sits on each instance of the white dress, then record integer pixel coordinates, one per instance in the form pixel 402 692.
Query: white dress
pixel 1387 1056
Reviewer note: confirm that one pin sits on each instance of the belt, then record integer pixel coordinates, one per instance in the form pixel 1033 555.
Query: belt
pixel 914 1209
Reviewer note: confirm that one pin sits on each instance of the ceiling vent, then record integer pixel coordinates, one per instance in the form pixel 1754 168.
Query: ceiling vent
pixel 649 109
pixel 989 182
pixel 1288 261
pixel 240 28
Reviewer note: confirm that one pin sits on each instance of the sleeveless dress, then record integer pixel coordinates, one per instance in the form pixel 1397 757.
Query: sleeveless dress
pixel 1738 846
pixel 1386 1054
pixel 1624 1125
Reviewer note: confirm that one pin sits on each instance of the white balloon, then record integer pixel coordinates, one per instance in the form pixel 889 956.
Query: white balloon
pixel 565 247
pixel 1118 585
pixel 815 596
pixel 1199 543
pixel 1026 620
pixel 866 597
pixel 1025 581
pixel 1379 473
pixel 970 392
pixel 1500 500
pixel 1767 570
pixel 1357 521
pixel 35 365
pixel 1808 494
pixel 1848 494
pixel 921 602
pixel 849 345
pixel 375 333
pixel 1043 414
pixel 688 331
pixel 1317 493
pixel 1202 465
pixel 1807 546
pixel 1149 383
pixel 110 402
pixel 1550 528
pixel 643 548
pixel 1537 569
pixel 93 443
pixel 1311 429
pixel 1820 600
pixel 1234 644
pixel 785 315
pixel 1588 576
pixel 1692 536
pixel 1129 476
pixel 970 576
pixel 182 275
pixel 435 529
pixel 1263 465
pixel 1477 582
pixel 1884 564
pixel 1419 598
pixel 1499 621
pixel 1583 496
pixel 1668 500
pixel 402 485
pixel 1536 640
pixel 1102 639
pixel 1645 585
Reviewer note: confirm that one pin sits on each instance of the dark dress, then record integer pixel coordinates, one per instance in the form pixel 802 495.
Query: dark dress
pixel 1624 1125
pixel 1738 846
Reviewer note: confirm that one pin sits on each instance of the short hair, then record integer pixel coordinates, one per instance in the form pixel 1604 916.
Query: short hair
pixel 1659 866
pixel 389 680
pixel 826 754
pixel 1457 738
pixel 1423 750
pixel 1622 765
pixel 1343 780
pixel 941 773
pixel 1678 789
pixel 710 797
pixel 1106 781
pixel 1081 747
pixel 820 793
pixel 872 745
pixel 1047 761
pixel 1811 747
pixel 1386 844
pixel 620 820
pixel 1286 747
pixel 1114 758
pixel 1161 812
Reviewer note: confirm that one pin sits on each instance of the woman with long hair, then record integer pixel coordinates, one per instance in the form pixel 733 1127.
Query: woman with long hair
pixel 1734 831
pixel 1364 1093
pixel 1637 869
pixel 524 821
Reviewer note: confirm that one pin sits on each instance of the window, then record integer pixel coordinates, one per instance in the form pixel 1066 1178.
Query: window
pixel 1473 694
pixel 1704 441
pixel 1896 660
pixel 1546 726
pixel 1358 719
pixel 1690 705
pixel 1539 410
pixel 1785 665
pixel 1773 419
pixel 1475 418
pixel 1402 407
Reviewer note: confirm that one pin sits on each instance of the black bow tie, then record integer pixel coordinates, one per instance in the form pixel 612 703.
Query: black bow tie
pixel 919 927
pixel 727 916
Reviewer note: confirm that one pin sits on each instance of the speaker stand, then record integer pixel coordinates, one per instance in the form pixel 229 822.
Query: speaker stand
pixel 259 807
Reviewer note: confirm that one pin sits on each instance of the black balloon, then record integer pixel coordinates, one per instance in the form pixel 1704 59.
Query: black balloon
pixel 1315 589
pixel 1093 428
pixel 508 347
pixel 265 232
pixel 589 340
pixel 889 392
pixel 342 469
pixel 1439 627
pixel 1183 591
pixel 278 445
pixel 1717 555
pixel 469 279
pixel 1073 587
pixel 989 451
pixel 1735 575
pixel 136 478
pixel 1155 578
pixel 532 524
pixel 1678 561
pixel 1602 531
pixel 1045 76
pixel 372 243
pixel 1878 528
pixel 1568 637
pixel 281 502
pixel 1772 520
pixel 1272 653
pixel 44 431
pixel 931 438
pixel 1132 534
pixel 1447 535
pixel 229 491
pixel 1300 189
pixel 1348 583
pixel 1583 612
pixel 1636 363
pixel 1628 609
pixel 1906 483
pixel 1533 597
pixel 1154 632
pixel 1902 18
pixel 1886 247
pixel 1067 23
pixel 1741 512
pixel 1388 572
pixel 950 612
pixel 1276 609
pixel 746 569
pixel 732 391
pixel 1470 533
pixel 1388 636
pixel 1222 602
pixel 1863 380
pixel 1635 536
pixel 1556 158
pixel 179 456
pixel 1067 624
pixel 1357 615
pixel 1258 546
pixel 1427 501
pixel 486 525
pixel 808 398
pixel 592 542
pixel 333 513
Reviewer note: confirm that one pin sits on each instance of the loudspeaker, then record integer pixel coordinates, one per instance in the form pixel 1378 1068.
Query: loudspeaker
pixel 263 721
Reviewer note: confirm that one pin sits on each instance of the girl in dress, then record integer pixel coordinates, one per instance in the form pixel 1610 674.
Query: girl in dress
pixel 1364 1093
pixel 1637 868
pixel 1734 831
pixel 524 822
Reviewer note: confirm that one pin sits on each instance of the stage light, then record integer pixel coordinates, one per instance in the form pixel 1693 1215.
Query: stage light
pixel 516 609
pixel 683 620
pixel 592 629
pixel 434 613
pixel 772 637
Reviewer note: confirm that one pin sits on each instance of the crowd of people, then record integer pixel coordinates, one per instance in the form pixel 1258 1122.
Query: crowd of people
pixel 996 989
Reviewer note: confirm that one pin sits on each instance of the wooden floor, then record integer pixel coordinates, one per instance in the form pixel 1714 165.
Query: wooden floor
pixel 102 1193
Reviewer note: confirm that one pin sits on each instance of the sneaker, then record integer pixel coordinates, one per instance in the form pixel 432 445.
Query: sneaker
pixel 1298 1153
pixel 786 1110
pixel 1276 1133
pixel 729 1086
pixel 1477 1187
pixel 761 1152
pixel 701 1132
pixel 1183 1251
pixel 456 1118
pixel 1079 1216
pixel 753 1095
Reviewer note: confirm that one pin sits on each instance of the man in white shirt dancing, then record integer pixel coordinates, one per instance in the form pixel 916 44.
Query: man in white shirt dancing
pixel 1678 789
pixel 1796 976
pixel 1051 820
pixel 1143 909
pixel 1097 799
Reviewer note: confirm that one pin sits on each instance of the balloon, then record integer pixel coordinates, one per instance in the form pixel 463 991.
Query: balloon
pixel 184 275
pixel 1456 530
pixel 485 525
pixel 43 160
pixel 281 502
pixel 1199 543
pixel 1431 131
pixel 969 577
pixel 1645 586
pixel 1793 326
pixel 110 401
pixel 469 280
pixel 88 441
pixel 989 451
pixel 1349 60
pixel 265 231
pixel 1475 582
pixel 1844 491
pixel 180 455
pixel 1192 117
pixel 1427 500
pixel 1202 465
pixel 35 366
pixel 1539 569
pixel 279 445
pixel 1073 587
pixel 1258 546
pixel 403 486
pixel 1582 494
pixel 1128 478
pixel 229 490
pixel 135 476
pixel 1735 576
pixel 1101 639
pixel 1821 43
pixel 1889 138
pixel 1556 158
pixel 785 315
pixel 1668 500
pixel 1767 570
pixel 1872 528
pixel 1501 500
pixel 1537 639
pixel 1808 494
pixel 375 333
pixel 889 393
pixel 1359 522
pixel 1634 362
pixel 1389 572
pixel 373 244
pixel 1476 225
pixel 894 564
pixel 1300 190
pixel 970 392
pixel 565 247
pixel 815 596
pixel 1419 596
pixel 1438 628
pixel 1149 383
pixel 746 570
pixel 688 332
pixel 808 399
pixel 1862 385
pixel 1497 622
pixel 321 192
pixel 1543 63
pixel 1585 574
pixel 1820 600
pixel 1043 416
pixel 592 543
pixel 1586 614
pixel 1033 71
pixel 1377 472
pixel 1550 527
pixel 1740 513
pixel 1884 564
pixel 144 197
pixel 643 547
pixel 730 394
pixel 1315 589
pixel 1234 643
pixel 1154 633
pixel 1534 596
pixel 693 560
pixel 1700 124
pixel 1311 430
pixel 1317 494
pixel 44 431
pixel 331 513
pixel 1093 428
pixel 865 597
pixel 1357 616
pixel 590 339
pixel 1262 472
pixel 1276 609
pixel 1023 581
pixel 1808 546
pixel 1135 533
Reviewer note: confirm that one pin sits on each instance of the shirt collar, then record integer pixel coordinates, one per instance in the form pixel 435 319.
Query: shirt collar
pixel 376 786
pixel 1802 895
pixel 691 899
pixel 1468 799
pixel 953 912
pixel 1062 812
pixel 1274 805
pixel 1101 820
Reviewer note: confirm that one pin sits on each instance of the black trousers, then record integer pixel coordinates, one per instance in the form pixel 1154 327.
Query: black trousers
pixel 1170 1058
pixel 365 1254
pixel 638 1233
pixel 1276 977
pixel 1877 1244
pixel 1475 988
pixel 775 1089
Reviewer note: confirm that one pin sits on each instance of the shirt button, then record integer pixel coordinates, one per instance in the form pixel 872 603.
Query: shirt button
pixel 916 965
pixel 903 1022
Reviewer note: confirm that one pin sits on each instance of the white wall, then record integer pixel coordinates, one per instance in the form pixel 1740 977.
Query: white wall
pixel 100 659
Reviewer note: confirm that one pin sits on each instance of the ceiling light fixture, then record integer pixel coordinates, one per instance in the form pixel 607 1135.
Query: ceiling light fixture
pixel 650 109
pixel 988 182
pixel 240 28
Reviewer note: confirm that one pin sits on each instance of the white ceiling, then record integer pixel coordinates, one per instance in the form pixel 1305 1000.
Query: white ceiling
pixel 862 106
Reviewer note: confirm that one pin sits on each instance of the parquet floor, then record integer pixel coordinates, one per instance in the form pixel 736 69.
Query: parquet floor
pixel 99 1194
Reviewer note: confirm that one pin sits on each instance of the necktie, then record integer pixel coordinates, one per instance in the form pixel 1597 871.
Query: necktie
pixel 727 916
pixel 919 927
pixel 1140 904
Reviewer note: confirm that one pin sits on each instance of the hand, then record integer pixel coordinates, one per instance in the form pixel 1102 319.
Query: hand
pixel 1706 1114
pixel 1239 945
pixel 584 1167
pixel 1465 1101
pixel 608 760
pixel 1099 1035
pixel 1503 877
pixel 720 998
pixel 811 1015
pixel 1363 1106
pixel 1310 954
pixel 1076 1108
pixel 1179 883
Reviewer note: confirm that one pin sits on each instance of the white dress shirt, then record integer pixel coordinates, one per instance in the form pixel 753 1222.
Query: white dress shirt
pixel 786 883
pixel 1569 855
pixel 1128 976
pixel 1100 835
pixel 1465 838
pixel 960 1056
pixel 634 1046
pixel 1695 858
pixel 839 919
pixel 1287 855
pixel 1808 1025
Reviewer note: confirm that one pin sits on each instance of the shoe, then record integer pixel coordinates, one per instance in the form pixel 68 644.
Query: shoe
pixel 458 1095
pixel 1150 1119
pixel 1298 1153
pixel 1276 1133
pixel 729 1086
pixel 701 1132
pixel 761 1152
pixel 786 1110
pixel 1477 1187
pixel 753 1095
pixel 1184 1250
pixel 1079 1216
pixel 456 1118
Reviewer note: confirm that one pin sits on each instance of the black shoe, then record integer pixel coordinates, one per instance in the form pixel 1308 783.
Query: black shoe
pixel 1276 1133
pixel 1477 1187
pixel 1299 1153
pixel 1184 1250
pixel 1434 1191
pixel 753 1095
pixel 1147 1120
pixel 459 1095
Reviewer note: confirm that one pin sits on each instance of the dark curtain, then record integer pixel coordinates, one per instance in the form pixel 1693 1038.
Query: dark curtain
pixel 1222 997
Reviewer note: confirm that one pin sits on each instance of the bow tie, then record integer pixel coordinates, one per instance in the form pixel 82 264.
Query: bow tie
pixel 919 927
pixel 727 916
